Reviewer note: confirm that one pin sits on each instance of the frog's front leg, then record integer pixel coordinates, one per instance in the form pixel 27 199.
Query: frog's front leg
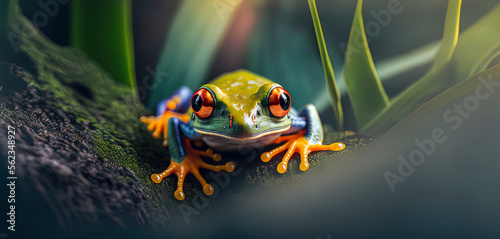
pixel 185 159
pixel 175 106
pixel 308 138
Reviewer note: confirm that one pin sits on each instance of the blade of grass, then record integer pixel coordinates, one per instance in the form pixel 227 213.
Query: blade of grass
pixel 103 30
pixel 190 46
pixel 364 87
pixel 450 33
pixel 327 66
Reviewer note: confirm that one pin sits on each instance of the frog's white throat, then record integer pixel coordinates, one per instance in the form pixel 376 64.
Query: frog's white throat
pixel 227 143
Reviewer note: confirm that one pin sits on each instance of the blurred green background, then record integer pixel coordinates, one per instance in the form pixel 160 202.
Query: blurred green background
pixel 454 189
pixel 275 39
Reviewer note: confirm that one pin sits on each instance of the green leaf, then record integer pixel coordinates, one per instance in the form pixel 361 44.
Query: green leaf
pixel 478 45
pixel 475 50
pixel 387 69
pixel 409 100
pixel 484 82
pixel 190 46
pixel 450 35
pixel 364 87
pixel 103 30
pixel 327 66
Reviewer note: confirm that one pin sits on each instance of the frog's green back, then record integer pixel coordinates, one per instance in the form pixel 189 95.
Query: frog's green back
pixel 240 81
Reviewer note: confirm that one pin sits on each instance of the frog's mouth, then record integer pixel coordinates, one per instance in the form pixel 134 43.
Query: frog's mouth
pixel 244 137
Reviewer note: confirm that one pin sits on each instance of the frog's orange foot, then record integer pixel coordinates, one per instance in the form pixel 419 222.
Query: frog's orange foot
pixel 159 124
pixel 191 164
pixel 297 144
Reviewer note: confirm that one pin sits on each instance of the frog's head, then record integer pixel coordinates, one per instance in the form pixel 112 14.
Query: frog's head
pixel 241 106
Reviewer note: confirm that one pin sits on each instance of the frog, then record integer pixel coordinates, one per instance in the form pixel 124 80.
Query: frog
pixel 237 110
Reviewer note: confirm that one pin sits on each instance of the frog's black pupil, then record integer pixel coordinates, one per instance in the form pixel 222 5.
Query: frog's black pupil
pixel 196 103
pixel 284 101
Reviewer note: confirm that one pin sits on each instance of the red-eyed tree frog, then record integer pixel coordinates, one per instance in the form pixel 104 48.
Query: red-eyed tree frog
pixel 237 110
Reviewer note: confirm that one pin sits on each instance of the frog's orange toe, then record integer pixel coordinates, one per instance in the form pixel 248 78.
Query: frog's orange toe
pixel 159 124
pixel 304 166
pixel 337 146
pixel 282 167
pixel 191 164
pixel 265 157
pixel 156 134
pixel 179 195
pixel 156 178
pixel 172 168
pixel 208 189
pixel 334 147
pixel 297 144
pixel 230 166
pixel 146 119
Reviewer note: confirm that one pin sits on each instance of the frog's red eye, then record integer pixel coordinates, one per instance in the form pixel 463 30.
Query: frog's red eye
pixel 279 102
pixel 202 103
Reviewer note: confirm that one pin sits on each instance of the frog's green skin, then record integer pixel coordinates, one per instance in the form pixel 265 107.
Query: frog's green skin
pixel 241 94
pixel 240 118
